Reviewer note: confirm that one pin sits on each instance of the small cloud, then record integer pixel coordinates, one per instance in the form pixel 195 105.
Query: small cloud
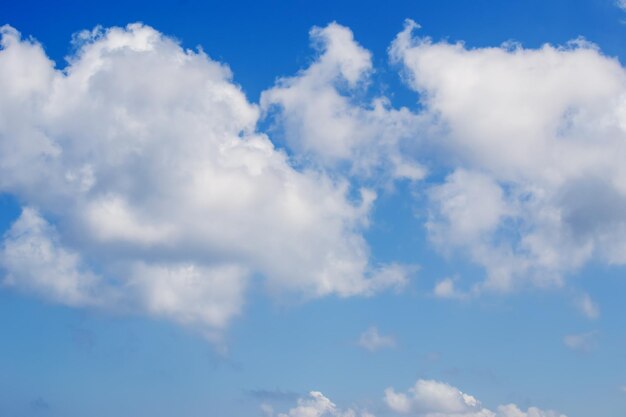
pixel 582 342
pixel 447 289
pixel 621 4
pixel 374 341
pixel 586 305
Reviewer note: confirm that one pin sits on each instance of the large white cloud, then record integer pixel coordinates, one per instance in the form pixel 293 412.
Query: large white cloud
pixel 429 398
pixel 148 187
pixel 145 180
pixel 534 140
pixel 327 121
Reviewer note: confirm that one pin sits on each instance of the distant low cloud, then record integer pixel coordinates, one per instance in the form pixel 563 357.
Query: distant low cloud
pixel 317 405
pixel 429 398
pixel 373 341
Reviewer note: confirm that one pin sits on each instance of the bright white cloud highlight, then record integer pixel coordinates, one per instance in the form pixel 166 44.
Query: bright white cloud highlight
pixel 428 398
pixel 373 341
pixel 140 160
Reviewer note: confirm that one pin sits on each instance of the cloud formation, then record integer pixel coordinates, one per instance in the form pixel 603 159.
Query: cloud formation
pixel 317 405
pixel 147 187
pixel 327 121
pixel 428 398
pixel 533 143
pixel 530 139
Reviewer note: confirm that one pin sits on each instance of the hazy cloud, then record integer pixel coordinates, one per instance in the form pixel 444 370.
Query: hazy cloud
pixel 373 341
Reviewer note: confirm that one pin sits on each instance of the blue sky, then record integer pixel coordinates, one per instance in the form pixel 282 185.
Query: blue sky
pixel 312 209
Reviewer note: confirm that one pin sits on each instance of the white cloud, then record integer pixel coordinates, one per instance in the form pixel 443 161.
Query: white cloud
pixel 317 405
pixel 428 398
pixel 582 342
pixel 141 160
pixel 374 341
pixel 446 288
pixel 621 4
pixel 267 409
pixel 324 120
pixel 37 262
pixel 533 140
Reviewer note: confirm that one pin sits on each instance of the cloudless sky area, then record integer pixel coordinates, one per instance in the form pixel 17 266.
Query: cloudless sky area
pixel 534 347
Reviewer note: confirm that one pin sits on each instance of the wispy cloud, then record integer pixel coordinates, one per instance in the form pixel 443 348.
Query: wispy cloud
pixel 373 341
pixel 582 342
pixel 587 306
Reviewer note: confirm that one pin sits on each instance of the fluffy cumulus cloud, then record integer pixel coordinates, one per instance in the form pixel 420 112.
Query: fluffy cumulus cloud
pixel 325 118
pixel 428 398
pixel 147 187
pixel 533 141
pixel 317 405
